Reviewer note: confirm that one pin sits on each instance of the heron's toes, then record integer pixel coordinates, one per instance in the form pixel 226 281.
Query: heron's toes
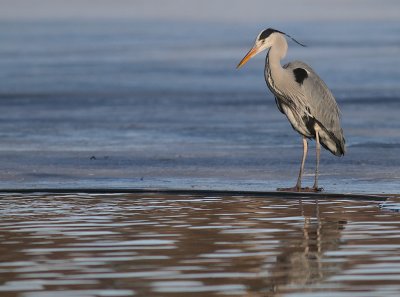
pixel 316 189
pixel 301 190
pixel 307 190
pixel 292 189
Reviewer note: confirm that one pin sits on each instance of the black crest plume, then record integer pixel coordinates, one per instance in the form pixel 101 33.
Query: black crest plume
pixel 269 31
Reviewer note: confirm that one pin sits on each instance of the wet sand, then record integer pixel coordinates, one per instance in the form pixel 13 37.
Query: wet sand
pixel 63 142
pixel 199 245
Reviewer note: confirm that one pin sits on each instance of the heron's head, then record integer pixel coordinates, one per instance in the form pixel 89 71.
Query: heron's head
pixel 264 41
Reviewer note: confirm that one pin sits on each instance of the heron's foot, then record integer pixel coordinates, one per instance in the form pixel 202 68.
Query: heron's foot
pixel 316 189
pixel 292 189
pixel 300 190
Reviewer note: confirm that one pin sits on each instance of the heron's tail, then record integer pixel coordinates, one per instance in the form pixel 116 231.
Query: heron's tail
pixel 333 142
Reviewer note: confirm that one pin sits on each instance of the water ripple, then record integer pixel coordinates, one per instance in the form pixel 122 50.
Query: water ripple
pixel 152 245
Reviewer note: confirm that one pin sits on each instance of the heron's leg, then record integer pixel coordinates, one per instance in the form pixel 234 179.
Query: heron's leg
pixel 318 151
pixel 303 161
pixel 297 187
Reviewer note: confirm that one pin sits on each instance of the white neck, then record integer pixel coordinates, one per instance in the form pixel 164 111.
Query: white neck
pixel 275 74
pixel 276 53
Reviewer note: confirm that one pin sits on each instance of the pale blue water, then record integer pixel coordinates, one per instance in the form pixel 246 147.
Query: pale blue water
pixel 162 105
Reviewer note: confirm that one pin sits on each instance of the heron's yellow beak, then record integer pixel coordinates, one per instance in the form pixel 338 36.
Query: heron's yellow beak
pixel 246 58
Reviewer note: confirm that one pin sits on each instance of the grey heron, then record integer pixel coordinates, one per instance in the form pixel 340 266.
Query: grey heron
pixel 303 97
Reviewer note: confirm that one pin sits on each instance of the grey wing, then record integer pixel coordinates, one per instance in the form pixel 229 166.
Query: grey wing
pixel 322 106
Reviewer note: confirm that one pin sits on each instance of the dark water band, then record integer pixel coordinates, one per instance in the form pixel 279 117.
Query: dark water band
pixel 199 192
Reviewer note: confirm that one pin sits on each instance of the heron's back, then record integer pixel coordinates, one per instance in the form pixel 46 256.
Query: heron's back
pixel 310 106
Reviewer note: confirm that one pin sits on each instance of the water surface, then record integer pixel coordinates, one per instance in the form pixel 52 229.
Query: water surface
pixel 160 104
pixel 153 245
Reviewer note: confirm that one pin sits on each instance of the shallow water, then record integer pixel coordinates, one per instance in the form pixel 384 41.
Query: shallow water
pixel 152 245
pixel 160 104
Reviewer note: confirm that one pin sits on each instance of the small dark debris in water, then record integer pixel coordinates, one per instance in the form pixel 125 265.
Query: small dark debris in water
pixel 95 158
pixel 142 178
